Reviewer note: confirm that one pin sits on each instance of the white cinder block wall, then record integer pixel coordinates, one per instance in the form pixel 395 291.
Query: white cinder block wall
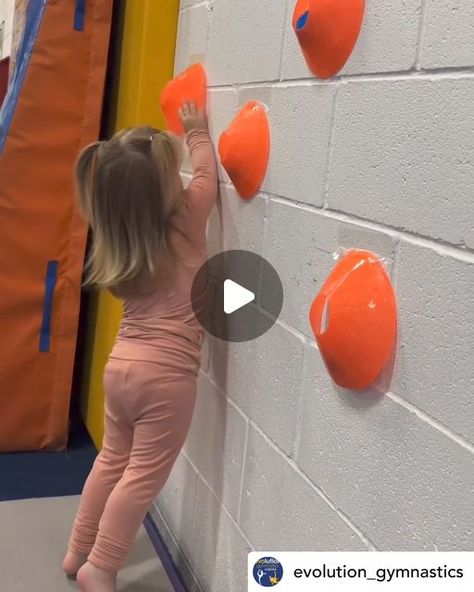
pixel 380 157
pixel 7 12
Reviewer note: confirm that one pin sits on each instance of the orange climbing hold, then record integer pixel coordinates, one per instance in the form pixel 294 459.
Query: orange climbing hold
pixel 354 319
pixel 244 149
pixel 327 31
pixel 191 85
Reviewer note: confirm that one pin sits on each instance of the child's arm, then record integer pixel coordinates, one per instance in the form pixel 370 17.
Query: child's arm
pixel 202 192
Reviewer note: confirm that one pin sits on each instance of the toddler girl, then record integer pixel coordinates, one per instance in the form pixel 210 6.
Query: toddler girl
pixel 149 240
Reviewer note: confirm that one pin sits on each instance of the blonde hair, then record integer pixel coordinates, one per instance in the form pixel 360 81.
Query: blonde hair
pixel 127 192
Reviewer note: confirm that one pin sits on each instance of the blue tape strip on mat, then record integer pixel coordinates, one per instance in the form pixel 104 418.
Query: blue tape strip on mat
pixel 45 334
pixel 80 15
pixel 34 17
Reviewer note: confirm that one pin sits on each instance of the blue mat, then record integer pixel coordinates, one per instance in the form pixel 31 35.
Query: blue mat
pixel 34 17
pixel 25 475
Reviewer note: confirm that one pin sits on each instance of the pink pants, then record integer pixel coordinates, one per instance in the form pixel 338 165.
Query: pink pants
pixel 148 414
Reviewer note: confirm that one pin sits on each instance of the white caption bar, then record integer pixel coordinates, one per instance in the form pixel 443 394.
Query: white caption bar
pixel 368 572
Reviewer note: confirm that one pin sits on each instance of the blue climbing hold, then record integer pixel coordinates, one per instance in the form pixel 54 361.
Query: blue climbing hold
pixel 301 22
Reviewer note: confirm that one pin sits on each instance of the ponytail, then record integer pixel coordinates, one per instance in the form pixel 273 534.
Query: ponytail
pixel 84 174
pixel 128 190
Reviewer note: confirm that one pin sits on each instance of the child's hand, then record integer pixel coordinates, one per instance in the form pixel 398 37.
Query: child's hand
pixel 192 117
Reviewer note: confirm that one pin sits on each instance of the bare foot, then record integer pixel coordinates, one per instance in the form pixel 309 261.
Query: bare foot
pixel 73 562
pixel 93 579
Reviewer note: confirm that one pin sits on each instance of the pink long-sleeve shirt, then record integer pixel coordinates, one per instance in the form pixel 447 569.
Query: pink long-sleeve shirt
pixel 161 327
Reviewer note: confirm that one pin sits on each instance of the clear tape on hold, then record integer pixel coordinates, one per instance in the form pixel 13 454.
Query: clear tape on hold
pixel 369 365
pixel 196 58
pixel 381 245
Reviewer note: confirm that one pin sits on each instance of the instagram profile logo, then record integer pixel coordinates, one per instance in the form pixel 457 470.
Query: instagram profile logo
pixel 267 572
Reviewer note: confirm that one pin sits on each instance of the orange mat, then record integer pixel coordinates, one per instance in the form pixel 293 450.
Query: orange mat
pixel 42 238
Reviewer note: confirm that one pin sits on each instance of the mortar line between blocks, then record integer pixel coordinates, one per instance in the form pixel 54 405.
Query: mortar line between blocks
pixel 224 509
pixel 396 263
pixel 242 475
pixel 370 546
pixel 209 26
pixel 188 458
pixel 199 475
pixel 285 37
pixel 422 415
pixel 196 477
pixel 444 73
pixel 421 35
pixel 300 406
pixel 363 537
pixel 305 339
pixel 295 332
pixel 196 471
pixel 439 245
pixel 332 134
pixel 266 212
pixel 193 6
pixel 432 421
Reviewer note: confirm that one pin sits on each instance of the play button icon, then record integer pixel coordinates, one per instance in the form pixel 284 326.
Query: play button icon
pixel 237 296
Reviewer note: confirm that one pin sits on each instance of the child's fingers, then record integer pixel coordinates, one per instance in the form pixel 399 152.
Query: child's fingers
pixel 190 107
pixel 189 110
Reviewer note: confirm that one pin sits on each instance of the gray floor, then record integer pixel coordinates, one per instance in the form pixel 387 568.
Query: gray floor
pixel 33 537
